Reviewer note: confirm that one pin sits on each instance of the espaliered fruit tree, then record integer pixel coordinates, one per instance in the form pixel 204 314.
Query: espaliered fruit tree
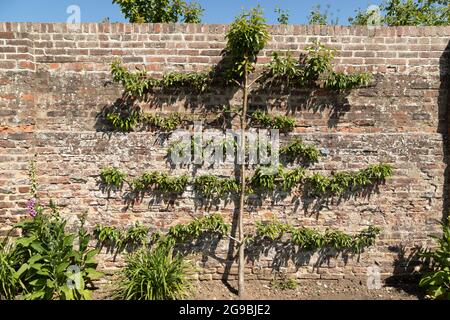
pixel 246 38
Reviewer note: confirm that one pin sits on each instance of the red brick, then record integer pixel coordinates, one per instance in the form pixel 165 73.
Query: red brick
pixel 6 35
pixel 7 64
pixel 27 65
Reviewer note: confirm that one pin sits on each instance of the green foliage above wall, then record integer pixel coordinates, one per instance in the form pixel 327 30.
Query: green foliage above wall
pixel 406 13
pixel 160 11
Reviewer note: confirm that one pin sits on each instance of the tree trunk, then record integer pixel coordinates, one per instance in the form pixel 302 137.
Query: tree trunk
pixel 241 262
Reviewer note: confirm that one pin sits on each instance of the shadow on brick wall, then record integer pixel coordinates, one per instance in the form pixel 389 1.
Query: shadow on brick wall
pixel 444 126
pixel 315 102
pixel 409 264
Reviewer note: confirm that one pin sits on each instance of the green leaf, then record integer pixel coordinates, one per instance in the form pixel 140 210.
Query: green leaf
pixel 68 294
pixel 25 241
pixel 21 270
pixel 40 282
pixel 35 258
pixel 90 255
pixel 62 267
pixel 93 274
pixel 35 295
pixel 38 247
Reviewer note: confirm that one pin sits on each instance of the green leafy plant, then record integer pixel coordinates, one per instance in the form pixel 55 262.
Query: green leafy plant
pixel 112 177
pixel 135 237
pixel 32 177
pixel 406 13
pixel 262 119
pixel 272 231
pixel 416 12
pixel 317 17
pixel 198 81
pixel 10 284
pixel 292 178
pixel 312 240
pixel 161 182
pixel 312 70
pixel 367 17
pixel 307 239
pixel 160 11
pixel 340 182
pixel 209 186
pixel 284 69
pixel 283 15
pixel 316 62
pixel 153 274
pixel 297 150
pixel 107 235
pixel 187 232
pixel 167 123
pixel 437 280
pixel 318 184
pixel 124 120
pixel 340 81
pixel 183 149
pixel 282 282
pixel 265 178
pixel 246 37
pixel 44 254
pixel 138 84
pixel 270 179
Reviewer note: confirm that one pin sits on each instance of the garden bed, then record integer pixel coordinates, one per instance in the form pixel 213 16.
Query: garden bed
pixel 306 290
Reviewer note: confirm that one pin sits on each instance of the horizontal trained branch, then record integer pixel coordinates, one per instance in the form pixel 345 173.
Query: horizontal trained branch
pixel 112 177
pixel 138 84
pixel 312 240
pixel 264 120
pixel 297 150
pixel 341 182
pixel 210 186
pixel 134 236
pixel 183 233
pixel 314 69
pixel 305 238
pixel 161 182
pixel 165 123
pixel 264 179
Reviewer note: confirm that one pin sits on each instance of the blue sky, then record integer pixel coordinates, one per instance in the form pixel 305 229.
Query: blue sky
pixel 216 11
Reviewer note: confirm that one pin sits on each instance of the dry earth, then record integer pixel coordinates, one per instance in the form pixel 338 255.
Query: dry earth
pixel 310 290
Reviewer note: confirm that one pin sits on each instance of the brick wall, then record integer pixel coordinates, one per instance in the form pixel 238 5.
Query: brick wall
pixel 55 81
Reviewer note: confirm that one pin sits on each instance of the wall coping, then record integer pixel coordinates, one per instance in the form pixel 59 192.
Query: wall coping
pixel 168 28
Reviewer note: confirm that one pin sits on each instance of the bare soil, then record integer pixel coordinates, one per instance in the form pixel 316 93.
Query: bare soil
pixel 306 290
pixel 311 290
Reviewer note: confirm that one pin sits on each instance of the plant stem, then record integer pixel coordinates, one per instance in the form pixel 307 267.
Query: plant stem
pixel 241 263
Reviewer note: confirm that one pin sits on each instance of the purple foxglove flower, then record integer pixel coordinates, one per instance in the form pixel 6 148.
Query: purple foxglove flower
pixel 31 206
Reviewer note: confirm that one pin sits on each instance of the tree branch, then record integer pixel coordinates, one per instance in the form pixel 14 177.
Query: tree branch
pixel 255 80
pixel 234 239
pixel 238 83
